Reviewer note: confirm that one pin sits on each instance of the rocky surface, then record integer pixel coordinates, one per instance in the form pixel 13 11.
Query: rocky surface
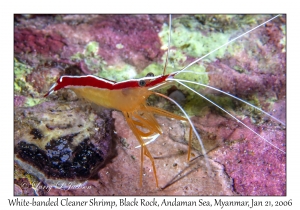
pixel 119 47
pixel 62 142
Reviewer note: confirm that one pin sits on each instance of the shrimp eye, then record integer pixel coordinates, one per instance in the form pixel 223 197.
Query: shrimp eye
pixel 150 74
pixel 142 83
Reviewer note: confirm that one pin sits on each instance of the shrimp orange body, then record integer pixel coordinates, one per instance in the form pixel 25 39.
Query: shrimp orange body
pixel 129 97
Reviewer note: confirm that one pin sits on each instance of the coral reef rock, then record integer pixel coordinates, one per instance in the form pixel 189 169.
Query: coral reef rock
pixel 59 142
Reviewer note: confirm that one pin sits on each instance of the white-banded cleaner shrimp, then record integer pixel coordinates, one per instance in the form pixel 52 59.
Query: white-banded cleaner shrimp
pixel 234 152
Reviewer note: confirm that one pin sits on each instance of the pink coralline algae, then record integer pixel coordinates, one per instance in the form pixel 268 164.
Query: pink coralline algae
pixel 19 101
pixel 255 167
pixel 37 42
pixel 67 35
pixel 138 35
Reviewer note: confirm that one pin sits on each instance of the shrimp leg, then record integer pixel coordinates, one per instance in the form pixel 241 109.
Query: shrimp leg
pixel 144 150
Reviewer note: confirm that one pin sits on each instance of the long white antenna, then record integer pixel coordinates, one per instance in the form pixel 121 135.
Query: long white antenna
pixel 231 116
pixel 221 91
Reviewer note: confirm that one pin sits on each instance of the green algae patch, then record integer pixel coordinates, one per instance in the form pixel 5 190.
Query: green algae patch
pixel 118 73
pixel 197 105
pixel 29 102
pixel 24 88
pixel 99 66
pixel 20 72
pixel 176 60
pixel 283 40
pixel 90 57
pixel 239 69
pixel 21 69
pixel 155 68
pixel 21 86
pixel 243 110
pixel 91 49
pixel 194 41
pixel 196 73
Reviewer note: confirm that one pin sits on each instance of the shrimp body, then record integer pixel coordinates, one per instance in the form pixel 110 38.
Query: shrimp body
pixel 129 97
pixel 122 96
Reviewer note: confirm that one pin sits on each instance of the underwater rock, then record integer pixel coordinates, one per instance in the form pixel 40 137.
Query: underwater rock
pixel 256 167
pixel 60 142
